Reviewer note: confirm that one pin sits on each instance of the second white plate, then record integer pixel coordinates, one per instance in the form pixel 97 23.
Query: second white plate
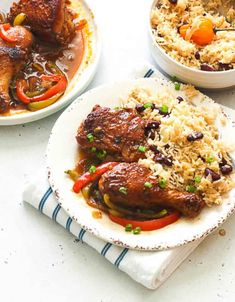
pixel 79 82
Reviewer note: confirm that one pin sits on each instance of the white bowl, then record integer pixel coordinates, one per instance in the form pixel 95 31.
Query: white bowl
pixel 199 78
pixel 79 82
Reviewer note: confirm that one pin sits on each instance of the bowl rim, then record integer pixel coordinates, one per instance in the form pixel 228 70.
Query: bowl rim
pixel 84 77
pixel 180 65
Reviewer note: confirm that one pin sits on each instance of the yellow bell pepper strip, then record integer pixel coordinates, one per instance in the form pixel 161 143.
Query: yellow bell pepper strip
pixel 4 35
pixel 59 87
pixel 34 106
pixel 19 19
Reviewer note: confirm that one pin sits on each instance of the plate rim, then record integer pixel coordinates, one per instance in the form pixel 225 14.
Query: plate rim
pixel 94 231
pixel 86 76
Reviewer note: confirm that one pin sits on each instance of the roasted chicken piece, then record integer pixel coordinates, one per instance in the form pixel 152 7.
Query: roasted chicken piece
pixel 119 132
pixel 12 57
pixel 51 20
pixel 125 187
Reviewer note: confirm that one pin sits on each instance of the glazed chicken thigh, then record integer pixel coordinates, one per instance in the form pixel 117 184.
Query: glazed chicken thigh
pixel 12 57
pixel 119 132
pixel 51 20
pixel 131 177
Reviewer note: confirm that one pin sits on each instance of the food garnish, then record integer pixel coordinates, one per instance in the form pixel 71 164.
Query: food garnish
pixel 197 179
pixel 128 227
pixel 177 86
pixel 148 184
pixel 142 149
pixel 92 169
pixel 162 183
pixel 90 137
pixel 210 159
pixel 164 109
pixel 123 190
pixel 200 32
pixel 191 189
pixel 137 230
pixel 148 105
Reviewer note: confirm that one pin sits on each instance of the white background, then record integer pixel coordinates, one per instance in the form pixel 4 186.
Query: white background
pixel 39 260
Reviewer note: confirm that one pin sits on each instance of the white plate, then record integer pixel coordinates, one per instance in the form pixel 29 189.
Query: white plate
pixel 62 155
pixel 80 81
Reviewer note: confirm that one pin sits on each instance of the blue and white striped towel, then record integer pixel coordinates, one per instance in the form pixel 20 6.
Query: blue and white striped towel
pixel 150 269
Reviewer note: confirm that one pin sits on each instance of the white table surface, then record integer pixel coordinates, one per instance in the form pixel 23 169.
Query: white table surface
pixel 39 260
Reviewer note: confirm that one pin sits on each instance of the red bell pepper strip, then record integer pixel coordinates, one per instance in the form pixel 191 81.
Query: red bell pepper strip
pixel 81 24
pixel 59 87
pixel 147 225
pixel 4 35
pixel 89 177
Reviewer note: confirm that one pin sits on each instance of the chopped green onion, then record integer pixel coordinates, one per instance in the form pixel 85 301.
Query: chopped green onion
pixel 161 213
pixel 210 159
pixel 93 149
pixel 128 227
pixel 92 169
pixel 197 179
pixel 137 231
pixel 164 109
pixel 151 212
pixel 174 79
pixel 123 190
pixel 116 108
pixel 191 189
pixel 162 183
pixel 101 154
pixel 90 137
pixel 177 86
pixel 88 163
pixel 148 105
pixel 142 149
pixel 148 185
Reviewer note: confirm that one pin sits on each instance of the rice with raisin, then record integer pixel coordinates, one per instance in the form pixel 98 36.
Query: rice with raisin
pixel 189 159
pixel 166 19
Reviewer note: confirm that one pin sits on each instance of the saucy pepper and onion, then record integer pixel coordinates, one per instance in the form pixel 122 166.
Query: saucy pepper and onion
pixel 47 70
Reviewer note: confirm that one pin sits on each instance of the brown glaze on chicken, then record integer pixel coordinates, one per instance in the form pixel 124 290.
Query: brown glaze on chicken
pixel 12 57
pixel 132 177
pixel 51 20
pixel 119 132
